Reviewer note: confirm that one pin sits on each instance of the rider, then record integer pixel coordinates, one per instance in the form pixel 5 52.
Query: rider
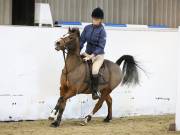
pixel 95 36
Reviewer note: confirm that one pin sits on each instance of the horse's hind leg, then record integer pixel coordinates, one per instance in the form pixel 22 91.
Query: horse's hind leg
pixel 96 108
pixel 109 104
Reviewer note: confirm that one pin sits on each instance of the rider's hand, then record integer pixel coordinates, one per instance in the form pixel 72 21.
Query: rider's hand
pixel 88 57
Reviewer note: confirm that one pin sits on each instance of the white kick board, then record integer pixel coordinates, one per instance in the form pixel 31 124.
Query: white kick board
pixel 30 71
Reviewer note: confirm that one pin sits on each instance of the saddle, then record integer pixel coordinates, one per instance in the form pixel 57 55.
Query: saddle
pixel 103 73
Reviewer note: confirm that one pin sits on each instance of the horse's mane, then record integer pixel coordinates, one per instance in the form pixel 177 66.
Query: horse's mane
pixel 75 30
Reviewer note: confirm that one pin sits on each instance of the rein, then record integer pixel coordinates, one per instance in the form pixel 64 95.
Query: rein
pixel 66 73
pixel 64 57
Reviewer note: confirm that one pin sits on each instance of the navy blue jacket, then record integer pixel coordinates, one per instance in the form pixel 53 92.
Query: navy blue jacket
pixel 95 36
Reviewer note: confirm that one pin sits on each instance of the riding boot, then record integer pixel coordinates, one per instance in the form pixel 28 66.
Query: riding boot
pixel 94 86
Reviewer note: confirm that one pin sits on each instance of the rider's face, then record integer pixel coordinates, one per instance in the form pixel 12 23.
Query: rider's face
pixel 96 21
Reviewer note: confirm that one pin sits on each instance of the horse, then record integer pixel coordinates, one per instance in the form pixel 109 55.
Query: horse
pixel 74 74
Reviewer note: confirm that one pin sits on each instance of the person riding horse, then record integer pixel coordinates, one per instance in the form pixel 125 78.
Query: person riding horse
pixel 74 74
pixel 95 36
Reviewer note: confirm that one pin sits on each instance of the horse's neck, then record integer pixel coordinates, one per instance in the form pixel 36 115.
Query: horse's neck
pixel 72 60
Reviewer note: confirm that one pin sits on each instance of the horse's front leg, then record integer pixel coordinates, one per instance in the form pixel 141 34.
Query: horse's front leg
pixel 55 111
pixel 61 105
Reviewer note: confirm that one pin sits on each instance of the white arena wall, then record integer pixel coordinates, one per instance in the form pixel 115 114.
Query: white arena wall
pixel 178 91
pixel 30 70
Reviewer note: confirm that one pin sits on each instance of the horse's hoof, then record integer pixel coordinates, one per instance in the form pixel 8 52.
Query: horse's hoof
pixel 51 118
pixel 107 120
pixel 55 124
pixel 83 123
pixel 53 115
pixel 88 118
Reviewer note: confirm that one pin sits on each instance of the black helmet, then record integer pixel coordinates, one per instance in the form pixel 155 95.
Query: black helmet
pixel 98 13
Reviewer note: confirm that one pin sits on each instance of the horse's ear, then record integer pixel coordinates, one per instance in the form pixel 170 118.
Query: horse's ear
pixel 69 29
pixel 78 32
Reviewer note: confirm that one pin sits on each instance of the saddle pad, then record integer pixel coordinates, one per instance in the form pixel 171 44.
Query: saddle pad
pixel 103 73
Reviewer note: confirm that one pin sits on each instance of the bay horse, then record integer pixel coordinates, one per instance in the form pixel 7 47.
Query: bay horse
pixel 75 72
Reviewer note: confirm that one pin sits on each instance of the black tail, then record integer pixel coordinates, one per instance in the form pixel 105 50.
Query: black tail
pixel 129 70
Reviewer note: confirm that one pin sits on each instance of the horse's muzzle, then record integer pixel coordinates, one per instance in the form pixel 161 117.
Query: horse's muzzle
pixel 58 47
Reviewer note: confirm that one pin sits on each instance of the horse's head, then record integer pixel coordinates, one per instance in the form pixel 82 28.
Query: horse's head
pixel 68 41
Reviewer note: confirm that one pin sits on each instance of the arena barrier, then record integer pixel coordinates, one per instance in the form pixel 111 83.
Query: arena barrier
pixel 178 90
pixel 30 70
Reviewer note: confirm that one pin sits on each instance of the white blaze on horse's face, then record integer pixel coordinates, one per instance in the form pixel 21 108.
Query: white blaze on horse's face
pixel 66 35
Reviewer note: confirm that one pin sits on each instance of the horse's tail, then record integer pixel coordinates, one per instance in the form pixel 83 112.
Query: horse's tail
pixel 130 72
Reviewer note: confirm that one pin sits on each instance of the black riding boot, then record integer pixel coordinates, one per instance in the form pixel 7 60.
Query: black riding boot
pixel 94 85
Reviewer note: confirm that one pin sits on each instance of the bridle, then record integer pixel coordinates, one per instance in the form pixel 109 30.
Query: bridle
pixel 63 41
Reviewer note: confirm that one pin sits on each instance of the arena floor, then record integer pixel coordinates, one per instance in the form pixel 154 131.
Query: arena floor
pixel 139 125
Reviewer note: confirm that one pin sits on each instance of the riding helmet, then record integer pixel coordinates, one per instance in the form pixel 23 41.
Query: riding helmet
pixel 98 13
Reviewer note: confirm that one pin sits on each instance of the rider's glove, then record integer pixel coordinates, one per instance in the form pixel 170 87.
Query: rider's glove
pixel 88 57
